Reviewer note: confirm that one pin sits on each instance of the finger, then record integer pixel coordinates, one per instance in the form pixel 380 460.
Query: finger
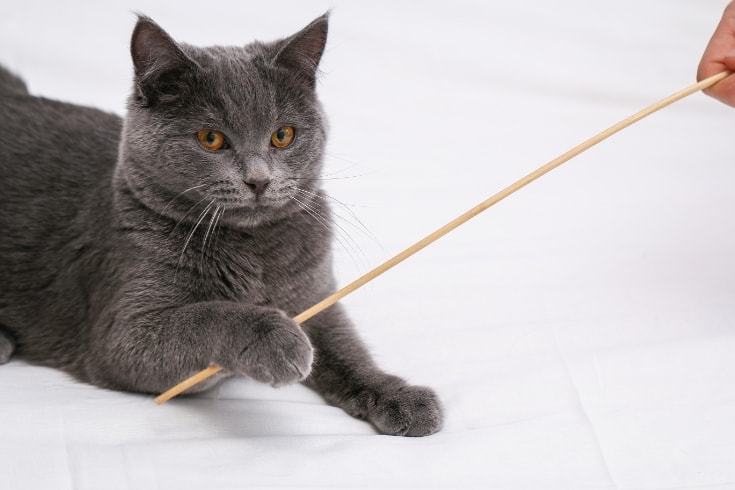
pixel 719 55
pixel 720 46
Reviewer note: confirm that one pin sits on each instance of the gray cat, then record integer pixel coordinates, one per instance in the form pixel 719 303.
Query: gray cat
pixel 135 252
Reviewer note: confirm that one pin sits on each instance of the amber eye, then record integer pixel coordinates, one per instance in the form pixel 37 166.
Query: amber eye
pixel 211 140
pixel 282 137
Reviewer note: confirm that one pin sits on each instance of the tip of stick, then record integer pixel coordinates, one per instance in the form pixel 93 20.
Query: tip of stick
pixel 161 399
pixel 186 384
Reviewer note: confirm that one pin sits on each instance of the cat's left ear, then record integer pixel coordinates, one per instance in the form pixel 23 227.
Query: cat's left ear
pixel 162 70
pixel 302 52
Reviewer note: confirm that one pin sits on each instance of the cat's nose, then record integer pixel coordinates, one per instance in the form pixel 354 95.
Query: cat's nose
pixel 257 186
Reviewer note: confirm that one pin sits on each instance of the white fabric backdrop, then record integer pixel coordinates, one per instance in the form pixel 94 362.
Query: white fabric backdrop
pixel 581 333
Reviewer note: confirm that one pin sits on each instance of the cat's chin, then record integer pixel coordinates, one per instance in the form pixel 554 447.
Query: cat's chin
pixel 256 214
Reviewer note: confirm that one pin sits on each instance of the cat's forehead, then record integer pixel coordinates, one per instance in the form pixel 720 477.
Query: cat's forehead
pixel 228 68
pixel 244 88
pixel 227 61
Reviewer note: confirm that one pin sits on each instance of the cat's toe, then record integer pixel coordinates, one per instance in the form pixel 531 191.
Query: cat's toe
pixel 7 346
pixel 407 411
pixel 281 355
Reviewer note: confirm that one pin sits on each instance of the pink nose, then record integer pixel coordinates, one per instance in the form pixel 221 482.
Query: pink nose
pixel 257 186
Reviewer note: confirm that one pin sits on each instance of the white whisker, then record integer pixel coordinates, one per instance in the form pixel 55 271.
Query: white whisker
pixel 163 211
pixel 208 233
pixel 187 213
pixel 202 215
pixel 354 222
pixel 341 236
pixel 218 225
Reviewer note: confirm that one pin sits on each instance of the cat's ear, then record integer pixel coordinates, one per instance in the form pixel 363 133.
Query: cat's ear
pixel 162 69
pixel 301 52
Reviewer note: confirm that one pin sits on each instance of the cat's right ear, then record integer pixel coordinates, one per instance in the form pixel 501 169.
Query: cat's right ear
pixel 161 68
pixel 302 52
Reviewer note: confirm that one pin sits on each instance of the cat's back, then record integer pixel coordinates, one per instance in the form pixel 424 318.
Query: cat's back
pixel 52 154
pixel 56 160
pixel 56 166
pixel 46 143
pixel 10 83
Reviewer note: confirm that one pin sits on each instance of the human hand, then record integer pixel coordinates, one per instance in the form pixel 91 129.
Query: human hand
pixel 720 55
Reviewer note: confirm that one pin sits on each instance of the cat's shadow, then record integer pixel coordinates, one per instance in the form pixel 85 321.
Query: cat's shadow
pixel 242 408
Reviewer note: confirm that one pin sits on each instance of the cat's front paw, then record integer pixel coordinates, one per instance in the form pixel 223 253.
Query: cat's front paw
pixel 403 410
pixel 277 351
pixel 7 346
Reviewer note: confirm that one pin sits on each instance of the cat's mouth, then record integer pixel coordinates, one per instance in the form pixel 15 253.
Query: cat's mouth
pixel 230 205
pixel 261 203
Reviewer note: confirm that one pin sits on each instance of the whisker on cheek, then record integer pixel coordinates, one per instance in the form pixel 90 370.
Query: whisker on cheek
pixel 341 236
pixel 163 211
pixel 208 233
pixel 202 215
pixel 181 220
pixel 218 226
pixel 351 219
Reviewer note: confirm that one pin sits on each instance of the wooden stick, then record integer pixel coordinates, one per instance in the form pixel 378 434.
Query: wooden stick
pixel 329 301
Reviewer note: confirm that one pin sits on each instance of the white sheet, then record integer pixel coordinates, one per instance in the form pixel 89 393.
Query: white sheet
pixel 581 333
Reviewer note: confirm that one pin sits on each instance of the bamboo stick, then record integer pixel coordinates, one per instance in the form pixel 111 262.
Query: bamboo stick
pixel 424 242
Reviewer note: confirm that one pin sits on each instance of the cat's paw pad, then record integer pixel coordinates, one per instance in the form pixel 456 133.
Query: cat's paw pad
pixel 407 411
pixel 279 353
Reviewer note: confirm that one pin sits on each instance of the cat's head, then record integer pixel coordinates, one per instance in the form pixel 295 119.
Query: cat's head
pixel 235 129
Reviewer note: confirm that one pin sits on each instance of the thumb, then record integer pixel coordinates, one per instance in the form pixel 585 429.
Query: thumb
pixel 730 60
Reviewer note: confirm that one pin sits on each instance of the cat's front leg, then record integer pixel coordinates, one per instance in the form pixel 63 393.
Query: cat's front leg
pixel 152 351
pixel 346 376
pixel 7 346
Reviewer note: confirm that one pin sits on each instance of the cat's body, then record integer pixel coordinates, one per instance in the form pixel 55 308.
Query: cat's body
pixel 134 253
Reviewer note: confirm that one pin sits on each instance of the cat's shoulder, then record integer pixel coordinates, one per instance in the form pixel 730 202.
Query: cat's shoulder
pixel 11 83
pixel 22 109
pixel 63 148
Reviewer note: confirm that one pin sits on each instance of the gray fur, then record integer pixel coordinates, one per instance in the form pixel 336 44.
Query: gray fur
pixel 132 258
pixel 9 83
